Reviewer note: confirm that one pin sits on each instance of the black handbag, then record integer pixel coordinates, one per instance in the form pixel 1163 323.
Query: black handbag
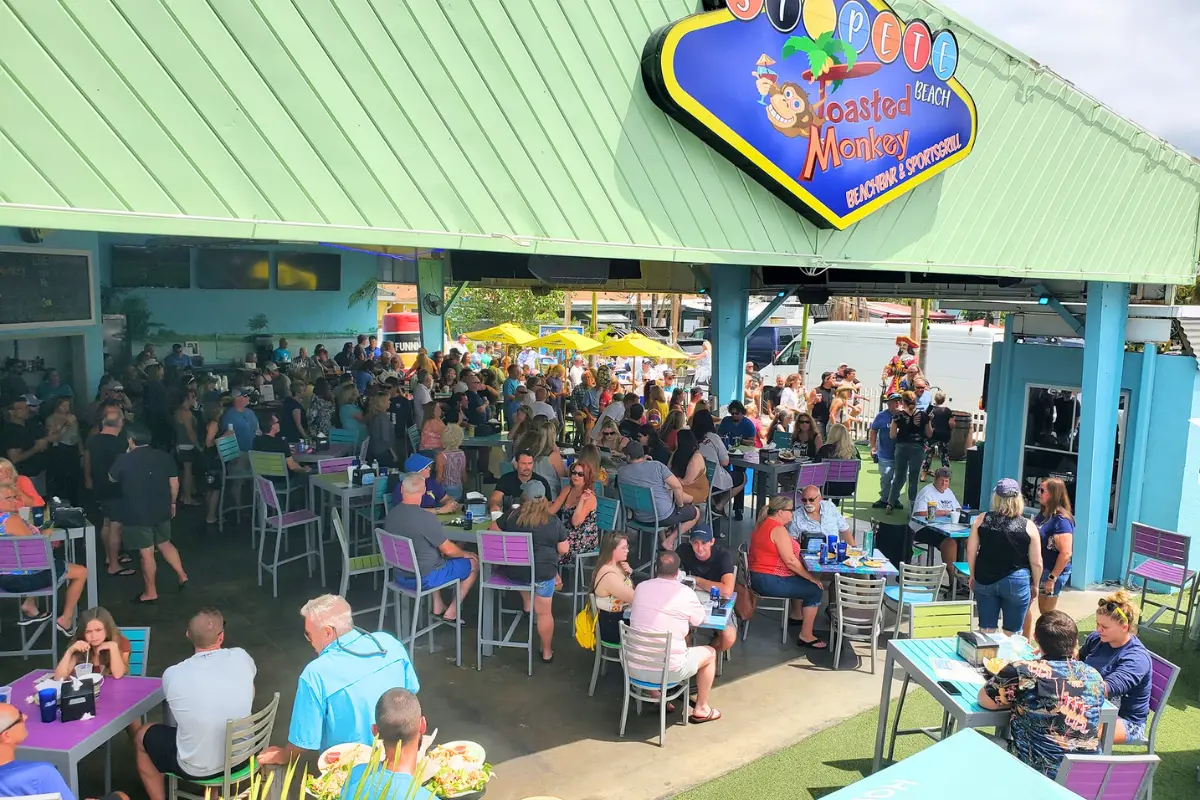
pixel 69 517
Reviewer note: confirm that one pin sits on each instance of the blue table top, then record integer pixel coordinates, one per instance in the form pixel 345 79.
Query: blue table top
pixel 921 652
pixel 954 530
pixel 965 765
pixel 811 561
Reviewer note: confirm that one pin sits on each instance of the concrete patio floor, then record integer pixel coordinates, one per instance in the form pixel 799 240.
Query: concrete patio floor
pixel 543 734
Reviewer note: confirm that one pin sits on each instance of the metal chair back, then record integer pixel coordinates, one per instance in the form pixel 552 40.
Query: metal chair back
pixel 1167 547
pixel 811 475
pixel 648 653
pixel 398 553
pixel 939 620
pixel 342 436
pixel 139 650
pixel 841 471
pixel 244 739
pixel 638 499
pixel 227 449
pixel 858 613
pixel 918 584
pixel 1108 777
pixel 363 450
pixel 19 554
pixel 414 437
pixel 330 465
pixel 1162 680
pixel 267 496
pixel 1165 557
pixel 608 514
pixel 503 548
pixel 272 465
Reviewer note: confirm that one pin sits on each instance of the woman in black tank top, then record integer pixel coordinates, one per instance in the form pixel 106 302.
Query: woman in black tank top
pixel 1005 558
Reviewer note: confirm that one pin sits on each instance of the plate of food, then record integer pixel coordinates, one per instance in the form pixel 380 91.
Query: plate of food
pixel 334 766
pixel 994 665
pixel 459 770
pixel 787 455
pixel 872 563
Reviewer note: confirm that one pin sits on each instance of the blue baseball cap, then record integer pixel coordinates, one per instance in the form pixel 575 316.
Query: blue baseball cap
pixel 417 462
pixel 701 533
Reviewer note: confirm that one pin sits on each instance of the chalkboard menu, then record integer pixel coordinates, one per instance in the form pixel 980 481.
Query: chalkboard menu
pixel 40 288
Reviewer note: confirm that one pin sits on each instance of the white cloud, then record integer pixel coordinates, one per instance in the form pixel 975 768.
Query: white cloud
pixel 1139 57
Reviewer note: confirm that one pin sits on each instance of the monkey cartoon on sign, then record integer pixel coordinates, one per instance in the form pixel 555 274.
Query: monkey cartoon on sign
pixel 790 111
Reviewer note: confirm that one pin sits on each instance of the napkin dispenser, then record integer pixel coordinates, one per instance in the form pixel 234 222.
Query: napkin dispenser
pixel 768 455
pixel 975 647
pixel 75 699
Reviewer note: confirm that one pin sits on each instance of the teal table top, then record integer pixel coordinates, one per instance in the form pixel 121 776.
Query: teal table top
pixel 966 764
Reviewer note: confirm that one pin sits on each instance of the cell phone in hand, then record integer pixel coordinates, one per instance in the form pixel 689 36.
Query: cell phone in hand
pixel 949 687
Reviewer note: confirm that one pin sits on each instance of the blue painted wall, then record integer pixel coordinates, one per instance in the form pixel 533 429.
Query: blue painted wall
pixel 1168 485
pixel 202 313
pixel 77 351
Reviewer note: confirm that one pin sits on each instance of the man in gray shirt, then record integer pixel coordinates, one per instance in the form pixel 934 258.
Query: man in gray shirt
pixel 439 560
pixel 672 506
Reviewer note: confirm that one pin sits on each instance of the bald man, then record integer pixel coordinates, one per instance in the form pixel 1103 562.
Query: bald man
pixel 25 778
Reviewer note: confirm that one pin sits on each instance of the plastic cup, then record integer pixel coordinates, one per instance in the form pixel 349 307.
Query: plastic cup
pixel 48 704
pixel 5 694
pixel 83 669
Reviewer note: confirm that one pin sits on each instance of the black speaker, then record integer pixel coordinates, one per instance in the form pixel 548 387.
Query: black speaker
pixel 973 480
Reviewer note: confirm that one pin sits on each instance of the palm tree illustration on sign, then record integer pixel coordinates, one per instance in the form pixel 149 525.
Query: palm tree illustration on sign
pixel 830 60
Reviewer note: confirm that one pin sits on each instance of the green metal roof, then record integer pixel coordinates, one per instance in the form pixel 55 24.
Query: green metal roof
pixel 523 125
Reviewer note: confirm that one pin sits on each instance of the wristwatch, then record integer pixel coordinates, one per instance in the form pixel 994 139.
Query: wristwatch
pixel 1052 578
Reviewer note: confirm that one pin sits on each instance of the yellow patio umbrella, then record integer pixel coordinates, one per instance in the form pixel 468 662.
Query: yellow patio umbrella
pixel 566 339
pixel 636 344
pixel 504 333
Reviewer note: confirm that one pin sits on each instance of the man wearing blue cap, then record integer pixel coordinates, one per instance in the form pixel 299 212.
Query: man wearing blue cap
pixel 435 498
pixel 883 447
pixel 711 565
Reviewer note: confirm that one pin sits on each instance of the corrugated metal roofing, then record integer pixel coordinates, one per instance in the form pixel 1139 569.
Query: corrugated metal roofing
pixel 522 125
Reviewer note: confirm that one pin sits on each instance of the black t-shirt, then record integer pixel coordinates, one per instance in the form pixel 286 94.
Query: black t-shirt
pixel 24 437
pixel 910 428
pixel 660 453
pixel 287 426
pixel 509 485
pixel 718 565
pixel 629 428
pixel 144 476
pixel 475 412
pixel 103 450
pixel 820 409
pixel 272 444
pixel 545 546
pixel 343 359
pixel 940 417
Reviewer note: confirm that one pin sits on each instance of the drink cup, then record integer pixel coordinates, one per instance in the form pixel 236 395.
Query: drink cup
pixel 83 669
pixel 48 704
pixel 5 694
pixel 931 509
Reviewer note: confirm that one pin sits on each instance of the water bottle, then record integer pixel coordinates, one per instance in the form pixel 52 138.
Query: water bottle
pixel 869 543
pixel 467 520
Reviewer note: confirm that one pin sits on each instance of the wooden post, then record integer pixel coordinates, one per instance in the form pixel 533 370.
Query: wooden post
pixel 921 353
pixel 567 300
pixel 637 309
pixel 914 319
pixel 676 310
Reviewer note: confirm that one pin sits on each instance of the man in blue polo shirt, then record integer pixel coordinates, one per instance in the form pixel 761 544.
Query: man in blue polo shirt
pixel 241 420
pixel 883 447
pixel 435 498
pixel 338 690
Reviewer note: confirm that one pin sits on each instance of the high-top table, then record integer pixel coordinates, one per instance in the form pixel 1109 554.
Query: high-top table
pixel 65 744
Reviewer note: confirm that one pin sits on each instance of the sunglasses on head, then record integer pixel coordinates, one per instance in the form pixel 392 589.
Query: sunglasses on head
pixel 20 718
pixel 1113 609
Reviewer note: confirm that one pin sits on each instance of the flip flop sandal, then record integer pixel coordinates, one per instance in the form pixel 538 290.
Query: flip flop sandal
pixel 124 559
pixel 815 644
pixel 137 598
pixel 713 715
pixel 123 573
pixel 68 632
pixel 35 619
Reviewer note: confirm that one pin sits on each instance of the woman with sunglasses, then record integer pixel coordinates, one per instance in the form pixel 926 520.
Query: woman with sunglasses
pixel 1057 529
pixel 576 507
pixel 777 570
pixel 806 437
pixel 1115 651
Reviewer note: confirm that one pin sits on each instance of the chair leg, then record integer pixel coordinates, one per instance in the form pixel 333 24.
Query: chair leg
pixel 896 722
pixel 221 508
pixel 624 708
pixel 662 718
pixel 783 621
pixel 479 590
pixel 320 552
pixel 383 604
pixel 595 668
pixel 280 536
pixel 458 625
pixel 262 544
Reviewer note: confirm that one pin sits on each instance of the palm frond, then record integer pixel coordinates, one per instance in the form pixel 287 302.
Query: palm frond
pixel 839 47
pixel 366 293
pixel 798 44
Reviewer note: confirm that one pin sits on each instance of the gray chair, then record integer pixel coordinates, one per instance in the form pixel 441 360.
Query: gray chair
pixel 857 614
pixel 782 608
pixel 650 655
pixel 606 652
pixel 918 584
pixel 245 738
pixel 370 564
pixel 234 470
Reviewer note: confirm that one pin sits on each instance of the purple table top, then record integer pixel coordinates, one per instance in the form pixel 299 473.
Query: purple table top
pixel 116 698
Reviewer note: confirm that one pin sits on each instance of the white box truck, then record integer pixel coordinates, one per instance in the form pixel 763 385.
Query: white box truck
pixel 954 363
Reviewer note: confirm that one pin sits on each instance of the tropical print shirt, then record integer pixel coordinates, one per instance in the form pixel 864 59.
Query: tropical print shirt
pixel 1055 710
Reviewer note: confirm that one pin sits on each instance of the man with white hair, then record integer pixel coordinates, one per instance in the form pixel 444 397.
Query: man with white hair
pixel 338 690
pixel 539 406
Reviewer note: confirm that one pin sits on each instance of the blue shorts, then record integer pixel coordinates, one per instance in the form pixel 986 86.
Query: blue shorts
pixel 1134 731
pixel 1058 584
pixel 455 569
pixel 544 588
pixel 792 587
pixel 1010 595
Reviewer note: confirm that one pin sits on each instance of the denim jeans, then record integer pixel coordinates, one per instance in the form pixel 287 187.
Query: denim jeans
pixel 906 465
pixel 886 467
pixel 1010 595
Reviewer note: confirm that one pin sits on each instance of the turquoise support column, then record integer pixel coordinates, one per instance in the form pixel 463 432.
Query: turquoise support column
pixel 431 279
pixel 1137 437
pixel 1103 356
pixel 730 290
pixel 1000 449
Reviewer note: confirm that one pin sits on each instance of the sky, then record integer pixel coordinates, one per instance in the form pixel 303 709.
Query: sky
pixel 1141 58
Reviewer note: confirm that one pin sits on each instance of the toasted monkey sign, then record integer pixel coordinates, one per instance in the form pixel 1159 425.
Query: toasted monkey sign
pixel 836 106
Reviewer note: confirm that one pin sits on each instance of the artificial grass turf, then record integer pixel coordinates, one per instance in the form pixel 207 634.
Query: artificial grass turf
pixel 841 754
